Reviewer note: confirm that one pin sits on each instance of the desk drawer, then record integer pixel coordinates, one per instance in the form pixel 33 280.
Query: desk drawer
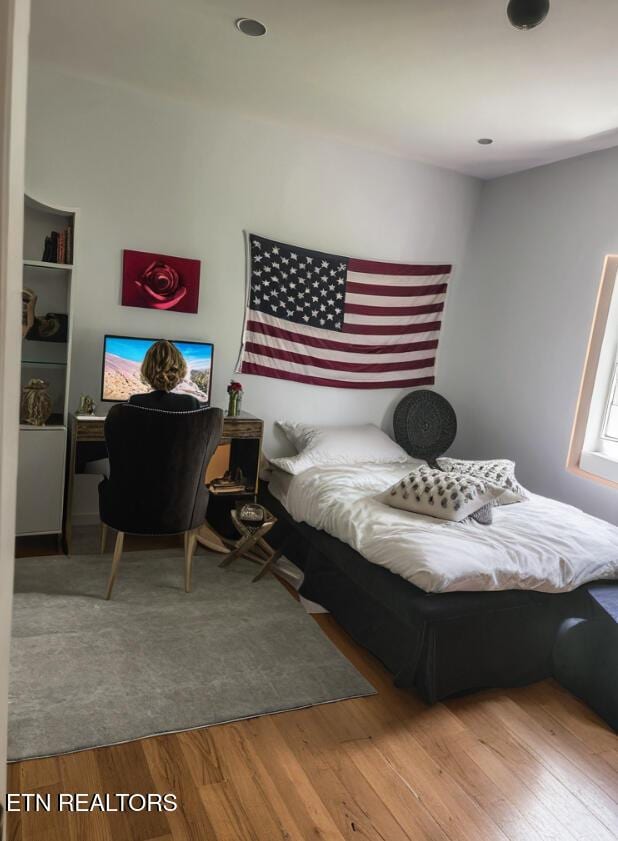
pixel 90 430
pixel 241 428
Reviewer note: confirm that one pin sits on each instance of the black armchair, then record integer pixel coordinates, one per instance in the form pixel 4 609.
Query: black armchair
pixel 156 484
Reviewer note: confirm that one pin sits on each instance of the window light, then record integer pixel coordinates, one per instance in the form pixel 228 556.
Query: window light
pixel 610 421
pixel 593 451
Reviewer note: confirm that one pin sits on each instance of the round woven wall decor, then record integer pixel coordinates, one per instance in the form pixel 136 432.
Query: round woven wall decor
pixel 425 424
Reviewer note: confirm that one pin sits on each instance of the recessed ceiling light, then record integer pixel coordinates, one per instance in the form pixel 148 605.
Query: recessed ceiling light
pixel 485 141
pixel 526 14
pixel 250 27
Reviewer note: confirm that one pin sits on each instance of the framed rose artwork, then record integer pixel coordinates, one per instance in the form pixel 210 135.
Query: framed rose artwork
pixel 160 282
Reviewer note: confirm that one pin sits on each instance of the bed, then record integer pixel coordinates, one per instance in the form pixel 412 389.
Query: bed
pixel 452 607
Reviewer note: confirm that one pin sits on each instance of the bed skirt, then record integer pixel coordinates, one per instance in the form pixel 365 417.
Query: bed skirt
pixel 440 643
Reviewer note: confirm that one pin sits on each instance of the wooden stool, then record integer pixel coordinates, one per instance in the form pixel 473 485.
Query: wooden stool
pixel 252 545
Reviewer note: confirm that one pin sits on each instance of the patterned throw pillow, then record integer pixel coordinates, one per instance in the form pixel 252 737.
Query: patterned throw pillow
pixel 499 472
pixel 448 496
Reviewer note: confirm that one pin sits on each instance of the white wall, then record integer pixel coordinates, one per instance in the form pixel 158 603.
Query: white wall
pixel 162 175
pixel 524 304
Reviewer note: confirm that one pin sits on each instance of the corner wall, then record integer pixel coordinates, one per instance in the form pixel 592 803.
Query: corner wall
pixel 513 358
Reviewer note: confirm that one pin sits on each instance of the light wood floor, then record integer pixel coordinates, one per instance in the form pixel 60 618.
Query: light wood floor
pixel 528 764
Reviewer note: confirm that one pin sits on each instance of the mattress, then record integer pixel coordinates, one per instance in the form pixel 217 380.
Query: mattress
pixel 540 544
pixel 441 644
pixel 279 483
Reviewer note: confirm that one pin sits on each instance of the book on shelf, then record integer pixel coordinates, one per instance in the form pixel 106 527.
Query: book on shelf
pixel 54 252
pixel 231 488
pixel 48 252
pixel 58 247
pixel 69 244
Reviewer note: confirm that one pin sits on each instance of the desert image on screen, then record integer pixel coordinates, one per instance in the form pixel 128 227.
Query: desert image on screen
pixel 123 360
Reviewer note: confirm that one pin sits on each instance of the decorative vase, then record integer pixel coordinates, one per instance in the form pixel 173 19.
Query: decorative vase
pixel 36 405
pixel 233 409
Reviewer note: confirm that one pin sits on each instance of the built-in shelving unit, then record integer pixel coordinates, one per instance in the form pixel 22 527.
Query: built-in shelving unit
pixel 41 264
pixel 42 449
pixel 44 362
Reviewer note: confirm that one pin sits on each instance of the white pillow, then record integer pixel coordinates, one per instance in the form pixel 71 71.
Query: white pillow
pixel 447 496
pixel 322 446
pixel 499 472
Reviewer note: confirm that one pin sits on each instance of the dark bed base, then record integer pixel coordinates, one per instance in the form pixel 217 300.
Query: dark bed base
pixel 441 644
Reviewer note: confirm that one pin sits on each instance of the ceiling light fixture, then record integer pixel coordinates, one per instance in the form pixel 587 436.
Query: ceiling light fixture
pixel 250 27
pixel 485 141
pixel 526 14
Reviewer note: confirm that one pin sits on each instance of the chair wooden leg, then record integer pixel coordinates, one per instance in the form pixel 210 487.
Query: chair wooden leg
pixel 190 544
pixel 115 564
pixel 103 537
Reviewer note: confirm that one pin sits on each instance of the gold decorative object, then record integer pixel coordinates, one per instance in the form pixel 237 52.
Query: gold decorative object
pixel 28 304
pixel 87 406
pixel 36 405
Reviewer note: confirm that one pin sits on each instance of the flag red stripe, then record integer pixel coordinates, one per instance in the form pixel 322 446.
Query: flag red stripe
pixel 371 267
pixel 397 291
pixel 265 371
pixel 333 365
pixel 391 330
pixel 422 309
pixel 330 344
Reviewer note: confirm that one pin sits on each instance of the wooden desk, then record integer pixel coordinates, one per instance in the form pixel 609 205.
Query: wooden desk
pixel 240 446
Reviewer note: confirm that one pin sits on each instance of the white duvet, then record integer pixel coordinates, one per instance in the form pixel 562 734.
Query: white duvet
pixel 540 544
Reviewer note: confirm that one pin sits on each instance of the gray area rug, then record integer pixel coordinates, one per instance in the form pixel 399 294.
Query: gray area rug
pixel 86 672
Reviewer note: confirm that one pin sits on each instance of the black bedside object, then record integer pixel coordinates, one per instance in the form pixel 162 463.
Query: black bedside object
pixel 424 424
pixel 585 657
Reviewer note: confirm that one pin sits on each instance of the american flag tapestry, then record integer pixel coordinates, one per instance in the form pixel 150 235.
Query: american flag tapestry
pixel 336 321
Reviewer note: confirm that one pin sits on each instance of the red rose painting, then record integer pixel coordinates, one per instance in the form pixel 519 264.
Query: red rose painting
pixel 156 281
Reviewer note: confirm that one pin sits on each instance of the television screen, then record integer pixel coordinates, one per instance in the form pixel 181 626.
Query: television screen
pixel 123 357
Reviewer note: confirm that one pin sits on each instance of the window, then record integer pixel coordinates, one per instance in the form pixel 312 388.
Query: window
pixel 593 451
pixel 610 421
